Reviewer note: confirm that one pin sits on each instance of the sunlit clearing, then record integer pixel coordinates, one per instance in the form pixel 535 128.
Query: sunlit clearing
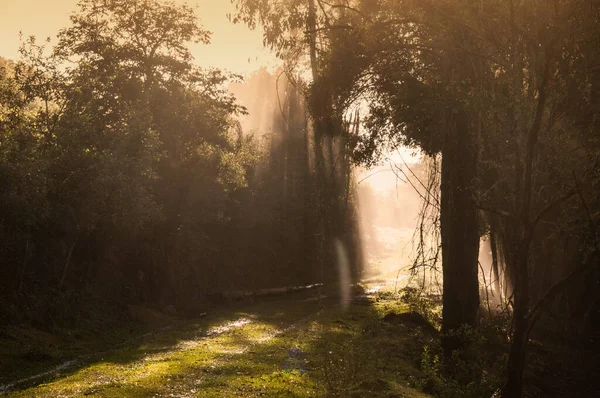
pixel 493 283
pixel 389 208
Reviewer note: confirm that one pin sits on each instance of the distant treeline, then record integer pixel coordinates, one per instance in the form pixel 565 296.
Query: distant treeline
pixel 126 176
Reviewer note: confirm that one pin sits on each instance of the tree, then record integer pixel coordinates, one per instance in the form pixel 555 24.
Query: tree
pixel 487 77
pixel 421 87
pixel 298 31
pixel 127 158
pixel 145 39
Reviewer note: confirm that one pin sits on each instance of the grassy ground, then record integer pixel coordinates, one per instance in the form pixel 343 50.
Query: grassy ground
pixel 287 346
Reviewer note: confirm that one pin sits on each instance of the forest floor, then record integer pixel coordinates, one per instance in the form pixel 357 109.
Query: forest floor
pixel 297 345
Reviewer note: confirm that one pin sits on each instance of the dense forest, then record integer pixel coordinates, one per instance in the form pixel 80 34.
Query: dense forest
pixel 130 176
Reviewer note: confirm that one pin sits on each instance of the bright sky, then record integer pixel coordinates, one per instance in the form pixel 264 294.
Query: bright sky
pixel 233 47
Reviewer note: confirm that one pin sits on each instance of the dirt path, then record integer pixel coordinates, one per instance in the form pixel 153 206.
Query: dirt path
pixel 141 369
pixel 301 345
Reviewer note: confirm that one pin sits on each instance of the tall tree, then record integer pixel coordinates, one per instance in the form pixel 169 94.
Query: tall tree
pixel 462 77
pixel 414 65
pixel 136 159
pixel 298 30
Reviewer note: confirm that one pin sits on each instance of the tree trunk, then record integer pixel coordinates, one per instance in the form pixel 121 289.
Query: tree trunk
pixel 517 356
pixel 518 347
pixel 523 231
pixel 459 230
pixel 495 261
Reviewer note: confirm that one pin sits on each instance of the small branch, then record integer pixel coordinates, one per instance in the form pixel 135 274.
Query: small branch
pixel 553 205
pixel 375 173
pixel 532 140
pixel 535 312
pixel 425 196
pixel 498 212
pixel 537 309
pixel 587 209
pixel 418 179
pixel 331 27
pixel 345 7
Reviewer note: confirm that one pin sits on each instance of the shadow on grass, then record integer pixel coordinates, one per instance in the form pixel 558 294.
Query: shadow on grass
pixel 278 347
pixel 162 341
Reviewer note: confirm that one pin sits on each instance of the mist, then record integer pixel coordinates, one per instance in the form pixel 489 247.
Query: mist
pixel 345 198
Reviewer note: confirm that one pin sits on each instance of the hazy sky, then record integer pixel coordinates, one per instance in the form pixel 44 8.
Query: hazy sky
pixel 233 47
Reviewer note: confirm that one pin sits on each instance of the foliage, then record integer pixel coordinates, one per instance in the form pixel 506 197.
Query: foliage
pixel 459 383
pixel 493 87
pixel 417 302
pixel 343 352
pixel 127 177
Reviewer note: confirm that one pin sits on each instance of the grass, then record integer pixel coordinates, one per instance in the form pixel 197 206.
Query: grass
pixel 278 347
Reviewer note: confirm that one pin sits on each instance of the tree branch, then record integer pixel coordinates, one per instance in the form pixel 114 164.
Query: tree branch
pixel 535 312
pixel 499 212
pixel 541 305
pixel 553 205
pixel 330 27
pixel 345 7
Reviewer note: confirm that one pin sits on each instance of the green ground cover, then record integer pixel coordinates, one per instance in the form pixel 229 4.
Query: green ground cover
pixel 294 346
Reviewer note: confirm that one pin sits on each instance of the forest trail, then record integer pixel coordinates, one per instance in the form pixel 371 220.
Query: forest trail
pixel 297 345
